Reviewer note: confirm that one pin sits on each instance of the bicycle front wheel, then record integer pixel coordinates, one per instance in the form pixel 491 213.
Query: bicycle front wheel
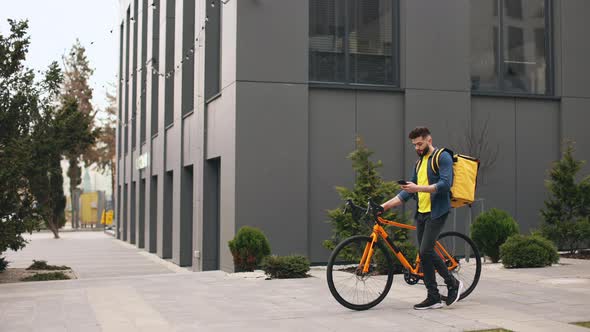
pixel 465 253
pixel 352 287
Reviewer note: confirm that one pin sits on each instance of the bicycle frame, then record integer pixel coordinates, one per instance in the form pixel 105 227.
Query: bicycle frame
pixel 379 232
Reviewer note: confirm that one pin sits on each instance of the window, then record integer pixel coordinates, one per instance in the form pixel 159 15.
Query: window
pixel 510 43
pixel 154 63
pixel 143 67
pixel 188 64
pixel 353 41
pixel 169 63
pixel 134 24
pixel 121 88
pixel 213 52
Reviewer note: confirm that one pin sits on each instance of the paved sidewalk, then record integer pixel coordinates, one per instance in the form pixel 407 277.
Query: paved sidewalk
pixel 544 299
pixel 91 254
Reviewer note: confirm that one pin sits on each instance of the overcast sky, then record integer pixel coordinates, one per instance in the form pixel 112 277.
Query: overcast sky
pixel 54 26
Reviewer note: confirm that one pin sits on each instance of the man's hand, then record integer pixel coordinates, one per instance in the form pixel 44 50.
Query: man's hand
pixel 391 203
pixel 411 187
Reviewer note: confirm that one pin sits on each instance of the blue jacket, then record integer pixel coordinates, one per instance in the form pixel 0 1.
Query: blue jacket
pixel 440 200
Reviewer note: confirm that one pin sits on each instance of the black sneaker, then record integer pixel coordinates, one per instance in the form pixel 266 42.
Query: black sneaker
pixel 429 303
pixel 454 292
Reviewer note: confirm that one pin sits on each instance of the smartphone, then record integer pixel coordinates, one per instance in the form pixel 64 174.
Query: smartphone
pixel 402 182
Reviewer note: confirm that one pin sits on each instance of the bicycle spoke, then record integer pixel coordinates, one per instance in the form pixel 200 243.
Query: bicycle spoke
pixel 468 270
pixel 349 285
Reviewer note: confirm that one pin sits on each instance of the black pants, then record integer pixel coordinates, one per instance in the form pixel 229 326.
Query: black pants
pixel 428 231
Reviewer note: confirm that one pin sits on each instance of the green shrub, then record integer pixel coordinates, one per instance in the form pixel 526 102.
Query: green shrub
pixel 281 267
pixel 528 251
pixel 248 248
pixel 3 264
pixel 490 230
pixel 46 276
pixel 42 265
pixel 568 235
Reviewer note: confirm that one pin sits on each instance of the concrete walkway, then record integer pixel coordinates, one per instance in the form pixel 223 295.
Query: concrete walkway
pixel 544 299
pixel 91 254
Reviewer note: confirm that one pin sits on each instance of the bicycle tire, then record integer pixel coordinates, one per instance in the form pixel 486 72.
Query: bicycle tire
pixel 468 266
pixel 360 241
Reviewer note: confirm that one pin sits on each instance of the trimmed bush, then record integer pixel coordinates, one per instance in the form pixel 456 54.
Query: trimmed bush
pixel 42 265
pixel 490 230
pixel 528 251
pixel 248 248
pixel 46 276
pixel 281 267
pixel 3 264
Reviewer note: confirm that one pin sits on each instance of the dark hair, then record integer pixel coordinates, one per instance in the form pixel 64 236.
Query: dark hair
pixel 419 132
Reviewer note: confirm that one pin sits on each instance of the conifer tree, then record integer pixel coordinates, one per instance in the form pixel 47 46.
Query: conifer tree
pixel 368 185
pixel 567 212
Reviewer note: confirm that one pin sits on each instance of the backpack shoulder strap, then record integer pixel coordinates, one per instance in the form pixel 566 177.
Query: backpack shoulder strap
pixel 436 157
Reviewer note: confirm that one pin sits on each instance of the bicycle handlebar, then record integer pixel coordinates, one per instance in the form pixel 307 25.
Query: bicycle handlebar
pixel 373 209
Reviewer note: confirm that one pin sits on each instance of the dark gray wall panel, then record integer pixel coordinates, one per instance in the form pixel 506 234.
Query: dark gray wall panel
pixel 436 44
pixel 575 50
pixel 173 148
pixel 272 40
pixel 331 139
pixel 221 125
pixel 157 157
pixel 537 146
pixel 211 214
pixel 380 122
pixel 446 113
pixel 574 126
pixel 497 186
pixel 120 171
pixel 134 170
pixel 188 146
pixel 144 172
pixel 557 47
pixel 271 163
pixel 128 167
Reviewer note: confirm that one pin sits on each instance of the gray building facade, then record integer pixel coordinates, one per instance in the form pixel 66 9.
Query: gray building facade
pixel 242 112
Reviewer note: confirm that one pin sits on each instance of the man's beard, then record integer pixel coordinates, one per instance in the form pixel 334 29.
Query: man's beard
pixel 423 152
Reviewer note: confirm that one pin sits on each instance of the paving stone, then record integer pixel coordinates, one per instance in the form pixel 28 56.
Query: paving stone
pixel 140 293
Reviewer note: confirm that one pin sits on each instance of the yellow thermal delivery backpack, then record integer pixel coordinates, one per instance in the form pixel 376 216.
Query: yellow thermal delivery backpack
pixel 464 177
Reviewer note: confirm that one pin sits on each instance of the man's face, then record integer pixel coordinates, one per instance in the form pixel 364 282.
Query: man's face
pixel 422 145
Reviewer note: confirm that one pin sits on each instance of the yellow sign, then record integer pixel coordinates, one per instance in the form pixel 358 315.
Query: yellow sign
pixel 107 217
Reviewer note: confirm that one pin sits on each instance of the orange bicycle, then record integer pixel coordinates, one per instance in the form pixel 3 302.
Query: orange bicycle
pixel 360 270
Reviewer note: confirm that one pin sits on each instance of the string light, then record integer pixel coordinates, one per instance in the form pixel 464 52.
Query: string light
pixel 152 63
pixel 187 54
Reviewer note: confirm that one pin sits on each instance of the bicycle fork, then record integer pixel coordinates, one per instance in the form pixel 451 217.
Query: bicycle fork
pixel 368 254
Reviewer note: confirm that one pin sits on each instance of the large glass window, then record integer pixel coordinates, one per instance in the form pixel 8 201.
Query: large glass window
pixel 510 43
pixel 353 41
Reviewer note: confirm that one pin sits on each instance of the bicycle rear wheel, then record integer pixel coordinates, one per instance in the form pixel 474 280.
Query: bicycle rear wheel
pixel 467 256
pixel 349 285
